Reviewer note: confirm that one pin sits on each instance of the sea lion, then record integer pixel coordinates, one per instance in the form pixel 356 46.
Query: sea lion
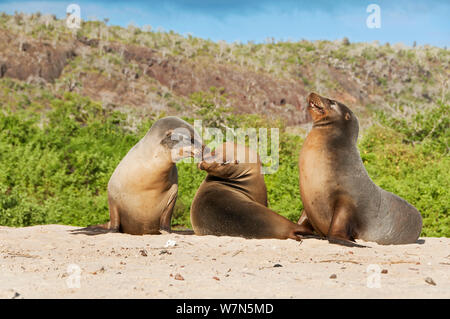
pixel 142 190
pixel 341 202
pixel 232 200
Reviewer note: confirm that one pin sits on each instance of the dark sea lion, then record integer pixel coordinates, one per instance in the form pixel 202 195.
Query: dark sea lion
pixel 341 202
pixel 143 189
pixel 232 200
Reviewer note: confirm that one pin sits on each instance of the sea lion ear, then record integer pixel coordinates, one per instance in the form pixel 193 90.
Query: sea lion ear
pixel 347 116
pixel 169 133
pixel 236 161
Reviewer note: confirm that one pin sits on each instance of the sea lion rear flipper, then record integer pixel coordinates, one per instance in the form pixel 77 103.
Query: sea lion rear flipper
pixel 166 216
pixel 343 227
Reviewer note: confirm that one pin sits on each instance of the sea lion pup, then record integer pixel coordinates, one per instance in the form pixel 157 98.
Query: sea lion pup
pixel 232 200
pixel 341 201
pixel 143 188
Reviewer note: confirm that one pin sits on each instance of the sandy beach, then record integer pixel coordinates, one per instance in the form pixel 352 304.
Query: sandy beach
pixel 55 261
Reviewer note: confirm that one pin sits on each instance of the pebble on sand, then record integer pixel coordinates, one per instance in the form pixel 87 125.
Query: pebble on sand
pixel 178 277
pixel 143 252
pixel 430 281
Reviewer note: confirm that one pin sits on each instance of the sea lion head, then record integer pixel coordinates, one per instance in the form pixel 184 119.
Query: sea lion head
pixel 230 161
pixel 327 112
pixel 178 138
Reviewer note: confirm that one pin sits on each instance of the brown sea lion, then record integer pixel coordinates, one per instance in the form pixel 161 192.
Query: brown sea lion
pixel 341 202
pixel 142 190
pixel 232 200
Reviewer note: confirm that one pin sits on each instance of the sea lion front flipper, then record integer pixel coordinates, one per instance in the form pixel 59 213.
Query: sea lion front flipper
pixel 166 216
pixel 112 226
pixel 342 227
pixel 114 221
pixel 305 227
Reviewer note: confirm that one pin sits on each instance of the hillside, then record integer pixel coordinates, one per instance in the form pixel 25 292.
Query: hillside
pixel 158 71
pixel 73 104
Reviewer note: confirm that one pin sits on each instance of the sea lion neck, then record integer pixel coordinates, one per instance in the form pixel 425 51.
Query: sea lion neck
pixel 237 175
pixel 336 130
pixel 232 162
pixel 327 127
pixel 153 158
pixel 249 181
pixel 326 123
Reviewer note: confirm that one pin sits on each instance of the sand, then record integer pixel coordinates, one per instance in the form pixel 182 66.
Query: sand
pixel 51 261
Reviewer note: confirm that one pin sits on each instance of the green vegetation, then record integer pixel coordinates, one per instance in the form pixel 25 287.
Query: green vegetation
pixel 55 164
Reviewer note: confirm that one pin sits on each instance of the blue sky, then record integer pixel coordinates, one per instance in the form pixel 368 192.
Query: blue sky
pixel 427 22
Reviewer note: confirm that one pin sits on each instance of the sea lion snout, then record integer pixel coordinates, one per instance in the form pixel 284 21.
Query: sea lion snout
pixel 184 143
pixel 208 155
pixel 316 103
pixel 199 149
pixel 209 159
pixel 314 98
pixel 204 150
pixel 201 165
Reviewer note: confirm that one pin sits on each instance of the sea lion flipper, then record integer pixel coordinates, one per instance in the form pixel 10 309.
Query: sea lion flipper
pixel 342 227
pixel 305 227
pixel 344 242
pixel 95 229
pixel 112 226
pixel 114 222
pixel 166 216
pixel 300 237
